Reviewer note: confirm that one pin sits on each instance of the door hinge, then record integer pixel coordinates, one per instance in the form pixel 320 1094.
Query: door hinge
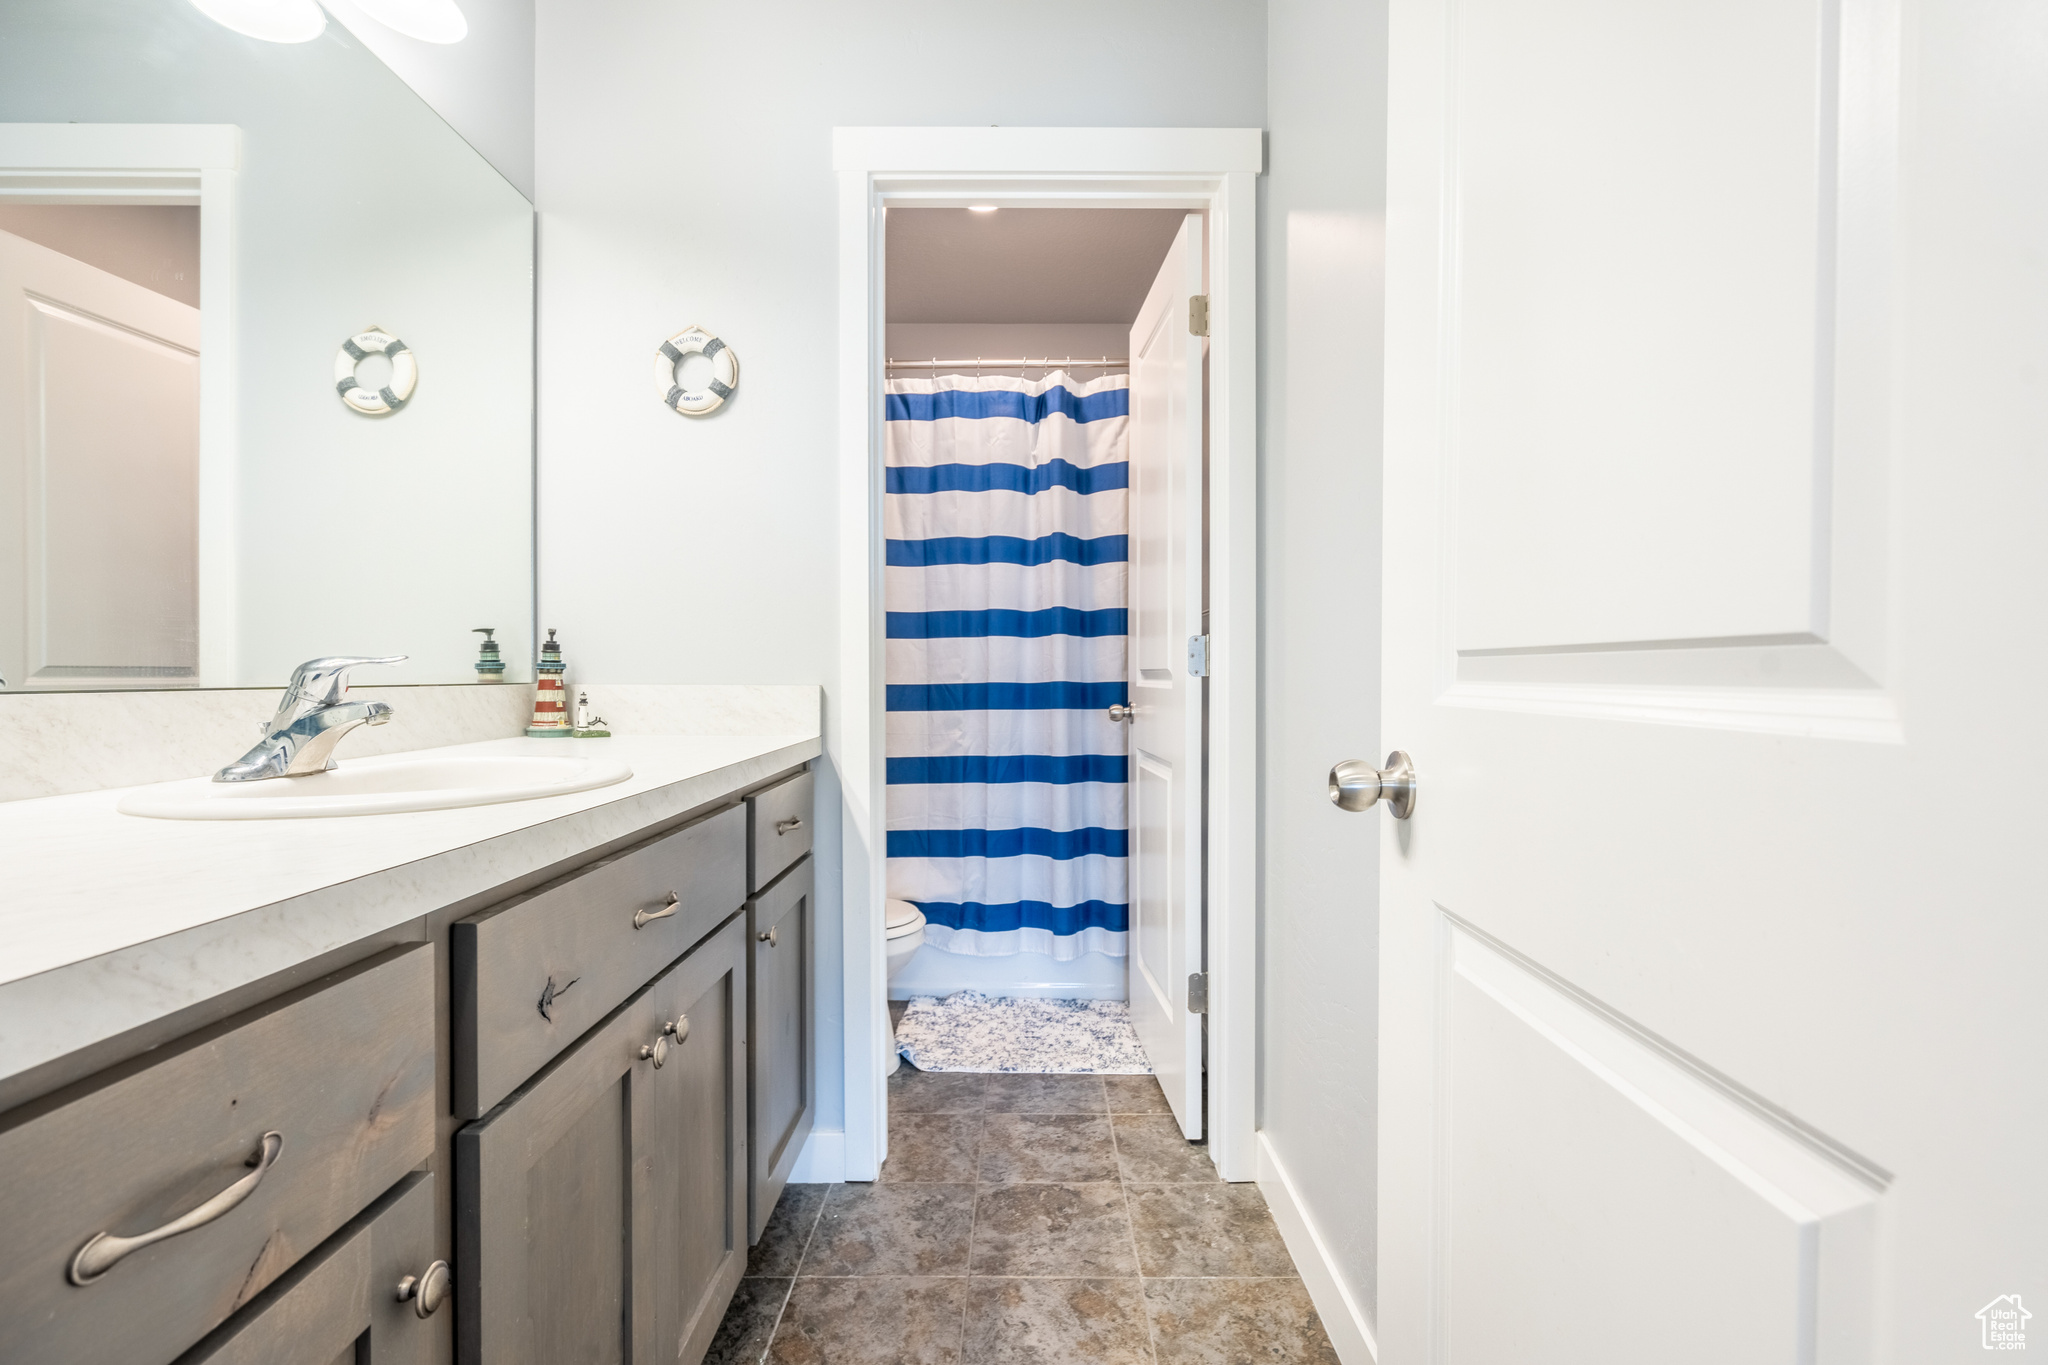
pixel 1198 656
pixel 1198 315
pixel 1198 992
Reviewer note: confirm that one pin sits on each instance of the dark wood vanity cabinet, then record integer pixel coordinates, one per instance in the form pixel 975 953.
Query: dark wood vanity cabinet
pixel 601 1209
pixel 564 1117
pixel 781 1077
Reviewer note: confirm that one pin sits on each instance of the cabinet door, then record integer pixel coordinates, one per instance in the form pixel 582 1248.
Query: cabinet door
pixel 782 1084
pixel 340 1305
pixel 403 1258
pixel 600 1210
pixel 699 1157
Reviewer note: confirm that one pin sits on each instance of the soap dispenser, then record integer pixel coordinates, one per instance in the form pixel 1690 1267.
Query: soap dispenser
pixel 490 667
pixel 550 714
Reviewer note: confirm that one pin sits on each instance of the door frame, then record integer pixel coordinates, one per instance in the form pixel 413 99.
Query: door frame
pixel 1209 169
pixel 166 163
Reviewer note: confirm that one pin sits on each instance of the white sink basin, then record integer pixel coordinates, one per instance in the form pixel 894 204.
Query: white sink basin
pixel 378 787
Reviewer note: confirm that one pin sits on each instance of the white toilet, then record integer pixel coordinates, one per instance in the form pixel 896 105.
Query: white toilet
pixel 904 929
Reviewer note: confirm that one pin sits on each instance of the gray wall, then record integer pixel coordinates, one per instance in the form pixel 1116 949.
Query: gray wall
pixel 684 175
pixel 1321 229
pixel 482 86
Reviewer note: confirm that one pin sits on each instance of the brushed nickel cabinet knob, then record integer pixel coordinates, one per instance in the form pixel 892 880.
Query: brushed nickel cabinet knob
pixel 427 1291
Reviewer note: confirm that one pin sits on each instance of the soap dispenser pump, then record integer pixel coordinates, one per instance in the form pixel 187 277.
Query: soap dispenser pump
pixel 550 714
pixel 490 666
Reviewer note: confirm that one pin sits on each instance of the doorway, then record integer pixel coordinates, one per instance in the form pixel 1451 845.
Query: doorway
pixel 99 464
pixel 119 245
pixel 1208 173
pixel 1044 581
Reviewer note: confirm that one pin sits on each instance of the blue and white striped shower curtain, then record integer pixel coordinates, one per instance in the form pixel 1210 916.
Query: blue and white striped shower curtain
pixel 1006 512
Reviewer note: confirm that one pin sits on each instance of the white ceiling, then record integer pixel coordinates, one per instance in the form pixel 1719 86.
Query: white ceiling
pixel 1024 265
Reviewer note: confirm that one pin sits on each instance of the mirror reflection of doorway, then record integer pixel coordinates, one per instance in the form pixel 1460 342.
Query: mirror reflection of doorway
pixel 99 445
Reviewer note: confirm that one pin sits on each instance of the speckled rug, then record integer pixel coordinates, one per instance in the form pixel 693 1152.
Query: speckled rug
pixel 969 1031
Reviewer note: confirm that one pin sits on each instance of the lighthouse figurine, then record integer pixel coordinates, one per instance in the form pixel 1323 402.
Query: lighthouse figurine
pixel 550 711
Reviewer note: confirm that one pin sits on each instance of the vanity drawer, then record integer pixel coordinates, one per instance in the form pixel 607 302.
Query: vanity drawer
pixel 531 976
pixel 342 1071
pixel 778 829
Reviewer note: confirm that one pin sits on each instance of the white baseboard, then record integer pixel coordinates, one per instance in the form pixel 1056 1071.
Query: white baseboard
pixel 822 1160
pixel 1342 1318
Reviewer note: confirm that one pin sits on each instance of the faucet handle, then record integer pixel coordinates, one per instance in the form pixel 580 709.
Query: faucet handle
pixel 320 682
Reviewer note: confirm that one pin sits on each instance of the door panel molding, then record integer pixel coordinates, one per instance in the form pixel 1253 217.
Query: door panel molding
pixel 144 633
pixel 1799 558
pixel 1551 1105
pixel 1868 717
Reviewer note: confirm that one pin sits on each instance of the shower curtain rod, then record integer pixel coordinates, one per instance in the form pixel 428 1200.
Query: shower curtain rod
pixel 1043 362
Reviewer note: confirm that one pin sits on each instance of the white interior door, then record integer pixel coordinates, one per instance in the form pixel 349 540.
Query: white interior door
pixel 1712 954
pixel 1166 728
pixel 99 477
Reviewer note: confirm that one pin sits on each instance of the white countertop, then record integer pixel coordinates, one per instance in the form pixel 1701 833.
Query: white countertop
pixel 109 921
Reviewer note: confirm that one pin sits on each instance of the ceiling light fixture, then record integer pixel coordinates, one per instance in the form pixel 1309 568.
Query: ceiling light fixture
pixel 274 21
pixel 981 208
pixel 430 21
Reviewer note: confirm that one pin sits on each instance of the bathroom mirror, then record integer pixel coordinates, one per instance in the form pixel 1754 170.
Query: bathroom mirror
pixel 195 224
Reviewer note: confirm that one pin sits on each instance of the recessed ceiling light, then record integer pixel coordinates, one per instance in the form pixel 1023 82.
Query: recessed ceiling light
pixel 981 208
pixel 274 21
pixel 430 21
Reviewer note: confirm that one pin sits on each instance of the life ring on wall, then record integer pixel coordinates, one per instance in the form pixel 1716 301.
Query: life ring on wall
pixel 405 373
pixel 725 372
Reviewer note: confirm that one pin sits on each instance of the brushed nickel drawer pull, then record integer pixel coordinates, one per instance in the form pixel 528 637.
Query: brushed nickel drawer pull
pixel 783 827
pixel 426 1292
pixel 643 918
pixel 767 936
pixel 105 1250
pixel 680 1028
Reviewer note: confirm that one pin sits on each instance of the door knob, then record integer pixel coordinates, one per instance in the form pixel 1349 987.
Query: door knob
pixel 1356 785
pixel 1121 712
pixel 768 937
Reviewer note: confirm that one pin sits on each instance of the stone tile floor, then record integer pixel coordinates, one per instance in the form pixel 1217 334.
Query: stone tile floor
pixel 1024 1220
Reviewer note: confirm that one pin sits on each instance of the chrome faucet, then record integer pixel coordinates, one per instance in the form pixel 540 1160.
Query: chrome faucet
pixel 310 721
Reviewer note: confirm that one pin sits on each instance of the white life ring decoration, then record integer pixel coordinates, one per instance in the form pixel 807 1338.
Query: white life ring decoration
pixel 405 373
pixel 725 372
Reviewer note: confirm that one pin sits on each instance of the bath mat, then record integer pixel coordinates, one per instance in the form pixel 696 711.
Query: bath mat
pixel 969 1031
